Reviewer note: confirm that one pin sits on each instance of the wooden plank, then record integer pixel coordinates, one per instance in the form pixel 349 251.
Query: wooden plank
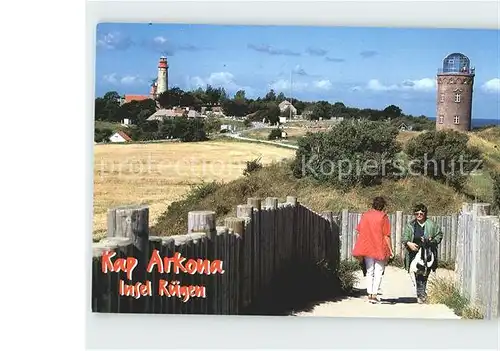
pixel 344 231
pixel 398 233
pixel 454 234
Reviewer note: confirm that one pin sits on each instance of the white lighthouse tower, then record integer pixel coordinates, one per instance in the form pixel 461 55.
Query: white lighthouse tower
pixel 162 82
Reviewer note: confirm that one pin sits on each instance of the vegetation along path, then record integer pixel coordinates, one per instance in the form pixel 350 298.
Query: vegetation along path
pixel 398 300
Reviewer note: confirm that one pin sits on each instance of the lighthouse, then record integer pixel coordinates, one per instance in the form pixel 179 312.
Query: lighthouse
pixel 455 81
pixel 162 81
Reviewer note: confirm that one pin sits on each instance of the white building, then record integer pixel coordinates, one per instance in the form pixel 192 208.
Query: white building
pixel 285 104
pixel 119 137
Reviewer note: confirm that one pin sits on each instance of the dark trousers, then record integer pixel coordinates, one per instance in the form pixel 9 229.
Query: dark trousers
pixel 421 281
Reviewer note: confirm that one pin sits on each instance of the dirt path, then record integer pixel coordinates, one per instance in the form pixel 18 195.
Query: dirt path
pixel 399 301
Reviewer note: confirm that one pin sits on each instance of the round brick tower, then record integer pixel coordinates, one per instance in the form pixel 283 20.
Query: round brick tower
pixel 455 82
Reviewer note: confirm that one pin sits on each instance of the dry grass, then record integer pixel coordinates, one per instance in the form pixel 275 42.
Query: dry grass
pixel 444 290
pixel 263 133
pixel 405 136
pixel 158 174
pixel 278 181
pixel 489 148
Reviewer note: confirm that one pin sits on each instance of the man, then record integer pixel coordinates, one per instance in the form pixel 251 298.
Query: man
pixel 414 233
pixel 373 245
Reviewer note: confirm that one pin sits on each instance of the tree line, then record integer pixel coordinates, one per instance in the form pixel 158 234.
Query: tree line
pixel 108 108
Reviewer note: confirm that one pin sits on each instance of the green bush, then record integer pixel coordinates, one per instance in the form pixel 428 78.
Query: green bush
pixel 274 134
pixel 444 156
pixel 351 153
pixel 496 190
pixel 252 166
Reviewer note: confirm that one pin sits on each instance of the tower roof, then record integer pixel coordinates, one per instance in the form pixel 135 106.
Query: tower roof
pixel 456 63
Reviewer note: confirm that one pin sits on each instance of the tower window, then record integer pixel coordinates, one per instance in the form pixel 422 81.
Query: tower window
pixel 442 97
pixel 457 120
pixel 457 97
pixel 441 119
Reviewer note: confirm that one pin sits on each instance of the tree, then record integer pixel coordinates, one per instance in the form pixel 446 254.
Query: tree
pixel 270 96
pixel 171 97
pixel 350 153
pixel 392 111
pixel 101 135
pixel 444 156
pixel 280 98
pixel 321 109
pixel 106 108
pixel 212 125
pixel 274 134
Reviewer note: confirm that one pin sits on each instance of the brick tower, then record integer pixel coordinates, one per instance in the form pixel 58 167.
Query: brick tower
pixel 455 81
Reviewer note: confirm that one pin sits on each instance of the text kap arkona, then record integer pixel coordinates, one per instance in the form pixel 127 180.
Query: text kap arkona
pixel 176 264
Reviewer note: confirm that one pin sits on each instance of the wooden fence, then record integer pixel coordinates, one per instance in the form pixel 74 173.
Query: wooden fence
pixel 260 243
pixel 398 220
pixel 478 258
pixel 251 248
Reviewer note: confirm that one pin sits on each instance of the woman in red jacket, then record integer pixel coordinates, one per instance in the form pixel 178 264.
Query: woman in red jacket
pixel 373 244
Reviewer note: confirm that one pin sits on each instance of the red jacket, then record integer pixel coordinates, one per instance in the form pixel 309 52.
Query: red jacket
pixel 373 229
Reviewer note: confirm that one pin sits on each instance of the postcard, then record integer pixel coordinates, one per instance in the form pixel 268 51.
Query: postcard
pixel 296 171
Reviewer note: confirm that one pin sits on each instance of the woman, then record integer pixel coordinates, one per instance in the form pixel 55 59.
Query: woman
pixel 373 245
pixel 415 232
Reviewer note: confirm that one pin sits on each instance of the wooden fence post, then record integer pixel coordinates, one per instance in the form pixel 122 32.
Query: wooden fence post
pixel 130 222
pixel 237 225
pixel 454 235
pixel 255 202
pixel 272 203
pixel 478 210
pixel 244 211
pixel 291 200
pixel 202 222
pixel 343 238
pixel 246 254
pixel 399 233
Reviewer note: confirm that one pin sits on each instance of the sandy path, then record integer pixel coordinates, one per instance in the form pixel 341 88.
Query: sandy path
pixel 400 301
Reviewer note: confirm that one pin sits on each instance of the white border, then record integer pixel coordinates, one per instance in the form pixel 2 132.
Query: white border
pixel 164 331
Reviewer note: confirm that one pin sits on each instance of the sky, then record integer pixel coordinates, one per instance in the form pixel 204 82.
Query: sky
pixel 361 67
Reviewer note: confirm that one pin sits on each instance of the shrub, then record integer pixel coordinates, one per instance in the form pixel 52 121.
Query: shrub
pixel 445 291
pixel 444 156
pixel 252 166
pixel 496 190
pixel 101 135
pixel 275 133
pixel 350 153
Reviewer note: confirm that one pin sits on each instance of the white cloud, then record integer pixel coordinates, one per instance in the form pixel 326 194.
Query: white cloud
pixel 114 40
pixel 424 85
pixel 492 86
pixel 283 85
pixel 160 40
pixel 324 84
pixel 225 80
pixel 110 78
pixel 115 79
pixel 128 80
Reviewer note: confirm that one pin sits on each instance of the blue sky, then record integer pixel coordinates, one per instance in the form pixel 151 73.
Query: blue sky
pixel 362 67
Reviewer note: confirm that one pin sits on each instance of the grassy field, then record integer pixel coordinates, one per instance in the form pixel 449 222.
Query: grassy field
pixel 109 125
pixel 167 177
pixel 158 174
